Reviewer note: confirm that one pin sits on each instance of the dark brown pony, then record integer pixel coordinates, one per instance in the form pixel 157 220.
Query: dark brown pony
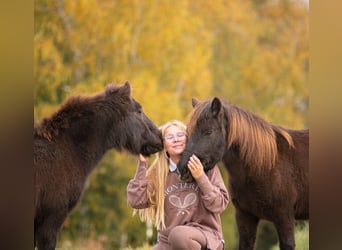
pixel 268 166
pixel 69 144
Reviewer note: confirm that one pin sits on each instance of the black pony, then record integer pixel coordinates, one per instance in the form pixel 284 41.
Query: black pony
pixel 268 166
pixel 69 144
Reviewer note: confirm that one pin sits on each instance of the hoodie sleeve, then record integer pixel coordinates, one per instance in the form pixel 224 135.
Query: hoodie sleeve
pixel 137 188
pixel 213 191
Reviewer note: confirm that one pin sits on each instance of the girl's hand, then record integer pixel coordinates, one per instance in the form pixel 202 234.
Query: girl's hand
pixel 143 158
pixel 195 166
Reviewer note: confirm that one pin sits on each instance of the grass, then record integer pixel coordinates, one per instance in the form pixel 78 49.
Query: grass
pixel 92 244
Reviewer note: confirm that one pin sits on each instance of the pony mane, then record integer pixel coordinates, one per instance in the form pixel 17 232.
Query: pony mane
pixel 81 105
pixel 74 106
pixel 255 137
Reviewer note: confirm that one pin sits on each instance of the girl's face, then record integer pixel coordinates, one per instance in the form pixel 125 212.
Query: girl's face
pixel 174 140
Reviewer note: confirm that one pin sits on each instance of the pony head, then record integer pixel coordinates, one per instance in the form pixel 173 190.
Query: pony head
pixel 207 135
pixel 109 119
pixel 132 128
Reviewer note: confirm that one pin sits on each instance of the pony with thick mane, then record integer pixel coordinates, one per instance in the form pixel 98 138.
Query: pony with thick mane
pixel 69 145
pixel 268 166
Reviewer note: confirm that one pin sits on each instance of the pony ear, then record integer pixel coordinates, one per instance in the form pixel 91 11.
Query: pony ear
pixel 126 89
pixel 215 106
pixel 194 102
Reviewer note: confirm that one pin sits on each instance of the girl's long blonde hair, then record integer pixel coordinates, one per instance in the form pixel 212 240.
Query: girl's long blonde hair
pixel 156 177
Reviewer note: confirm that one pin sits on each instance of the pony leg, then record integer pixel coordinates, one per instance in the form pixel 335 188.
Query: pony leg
pixel 45 237
pixel 247 226
pixel 285 230
pixel 46 231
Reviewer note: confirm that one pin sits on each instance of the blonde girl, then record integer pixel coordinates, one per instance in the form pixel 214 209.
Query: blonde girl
pixel 187 215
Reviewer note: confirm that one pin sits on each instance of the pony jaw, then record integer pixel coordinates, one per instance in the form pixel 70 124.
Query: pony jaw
pixel 150 149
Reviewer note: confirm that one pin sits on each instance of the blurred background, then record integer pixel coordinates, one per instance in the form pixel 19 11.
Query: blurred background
pixel 254 54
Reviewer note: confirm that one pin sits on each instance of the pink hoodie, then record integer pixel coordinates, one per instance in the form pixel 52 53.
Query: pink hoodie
pixel 196 204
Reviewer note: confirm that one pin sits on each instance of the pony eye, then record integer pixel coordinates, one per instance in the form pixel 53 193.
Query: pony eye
pixel 208 132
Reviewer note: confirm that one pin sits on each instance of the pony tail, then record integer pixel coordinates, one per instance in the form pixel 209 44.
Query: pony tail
pixel 285 135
